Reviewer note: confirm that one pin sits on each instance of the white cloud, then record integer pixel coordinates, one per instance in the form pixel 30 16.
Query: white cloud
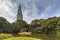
pixel 30 10
pixel 7 10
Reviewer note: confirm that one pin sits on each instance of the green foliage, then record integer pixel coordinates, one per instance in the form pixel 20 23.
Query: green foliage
pixel 39 26
pixel 16 27
pixel 19 26
pixel 50 26
pixel 4 25
pixel 35 25
pixel 47 26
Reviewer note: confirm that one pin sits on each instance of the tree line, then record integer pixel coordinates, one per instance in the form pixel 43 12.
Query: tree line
pixel 37 26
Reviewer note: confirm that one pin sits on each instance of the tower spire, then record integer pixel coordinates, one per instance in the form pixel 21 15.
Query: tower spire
pixel 19 14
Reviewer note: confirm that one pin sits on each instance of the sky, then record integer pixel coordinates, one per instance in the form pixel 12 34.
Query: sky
pixel 31 9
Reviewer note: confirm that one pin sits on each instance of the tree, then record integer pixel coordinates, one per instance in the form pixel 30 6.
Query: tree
pixel 4 25
pixel 35 24
pixel 47 26
pixel 19 26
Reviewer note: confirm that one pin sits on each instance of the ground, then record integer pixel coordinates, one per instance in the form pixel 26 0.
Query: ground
pixel 22 38
pixel 27 36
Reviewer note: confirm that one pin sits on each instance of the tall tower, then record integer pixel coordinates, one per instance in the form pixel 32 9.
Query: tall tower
pixel 19 14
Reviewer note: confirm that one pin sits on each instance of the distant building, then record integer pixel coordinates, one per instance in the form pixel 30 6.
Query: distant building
pixel 19 14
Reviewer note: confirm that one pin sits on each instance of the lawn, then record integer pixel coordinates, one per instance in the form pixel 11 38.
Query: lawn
pixel 23 38
pixel 27 36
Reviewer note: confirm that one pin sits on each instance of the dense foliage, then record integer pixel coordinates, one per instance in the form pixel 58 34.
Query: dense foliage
pixel 4 25
pixel 46 26
pixel 38 26
pixel 19 26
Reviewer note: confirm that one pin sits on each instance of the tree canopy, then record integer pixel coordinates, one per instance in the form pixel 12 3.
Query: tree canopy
pixel 38 26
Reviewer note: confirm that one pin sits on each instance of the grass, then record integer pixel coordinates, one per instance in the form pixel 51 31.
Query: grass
pixel 4 36
pixel 28 36
pixel 23 38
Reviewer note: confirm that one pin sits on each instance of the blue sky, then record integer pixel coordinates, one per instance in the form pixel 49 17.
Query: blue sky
pixel 31 9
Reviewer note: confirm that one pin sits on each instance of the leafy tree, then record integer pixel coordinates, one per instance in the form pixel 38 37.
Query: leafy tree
pixel 35 24
pixel 19 26
pixel 47 26
pixel 4 25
